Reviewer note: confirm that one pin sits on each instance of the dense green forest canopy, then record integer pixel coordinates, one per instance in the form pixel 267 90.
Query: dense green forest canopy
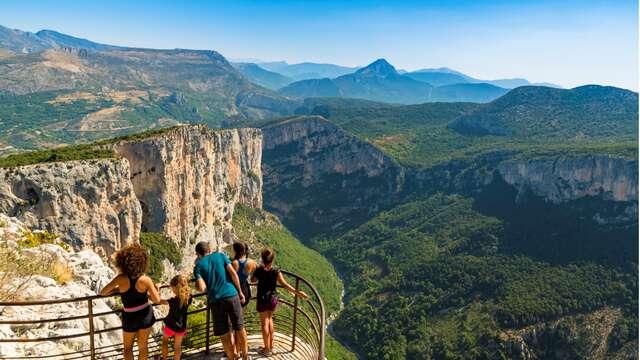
pixel 428 279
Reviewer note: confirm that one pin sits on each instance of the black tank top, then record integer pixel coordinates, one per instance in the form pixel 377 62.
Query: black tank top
pixel 132 297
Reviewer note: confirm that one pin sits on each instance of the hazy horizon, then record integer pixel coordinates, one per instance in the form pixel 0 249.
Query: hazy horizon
pixel 569 43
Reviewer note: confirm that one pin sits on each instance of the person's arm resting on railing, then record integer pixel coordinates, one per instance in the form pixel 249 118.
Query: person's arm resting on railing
pixel 152 290
pixel 290 288
pixel 200 284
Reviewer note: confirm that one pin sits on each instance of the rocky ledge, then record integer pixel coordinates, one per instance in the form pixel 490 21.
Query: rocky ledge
pixel 90 204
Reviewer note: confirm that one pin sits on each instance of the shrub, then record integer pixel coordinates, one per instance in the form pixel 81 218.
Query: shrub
pixel 160 247
pixel 61 273
pixel 36 238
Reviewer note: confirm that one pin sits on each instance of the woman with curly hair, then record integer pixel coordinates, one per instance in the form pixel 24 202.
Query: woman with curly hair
pixel 135 289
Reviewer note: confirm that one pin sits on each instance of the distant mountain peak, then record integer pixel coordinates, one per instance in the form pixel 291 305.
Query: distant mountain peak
pixel 379 67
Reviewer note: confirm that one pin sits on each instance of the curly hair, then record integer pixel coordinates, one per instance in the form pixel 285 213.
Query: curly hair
pixel 132 260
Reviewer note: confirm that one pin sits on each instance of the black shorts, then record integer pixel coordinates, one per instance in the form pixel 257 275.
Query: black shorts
pixel 134 321
pixel 227 311
pixel 246 291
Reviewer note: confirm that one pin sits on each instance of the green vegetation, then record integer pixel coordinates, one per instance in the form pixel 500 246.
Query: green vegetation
pixel 547 114
pixel 429 279
pixel 160 247
pixel 67 153
pixel 137 136
pixel 264 230
pixel 31 239
pixel 421 136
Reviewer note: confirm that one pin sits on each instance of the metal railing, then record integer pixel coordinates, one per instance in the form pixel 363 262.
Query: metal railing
pixel 302 321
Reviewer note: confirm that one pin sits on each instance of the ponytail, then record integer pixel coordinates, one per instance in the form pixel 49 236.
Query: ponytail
pixel 181 284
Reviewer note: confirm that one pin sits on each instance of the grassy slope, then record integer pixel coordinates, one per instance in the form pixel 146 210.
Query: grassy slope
pixel 291 255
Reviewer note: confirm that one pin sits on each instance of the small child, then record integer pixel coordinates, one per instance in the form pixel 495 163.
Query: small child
pixel 175 324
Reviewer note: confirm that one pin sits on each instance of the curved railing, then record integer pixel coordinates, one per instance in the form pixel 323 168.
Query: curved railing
pixel 301 321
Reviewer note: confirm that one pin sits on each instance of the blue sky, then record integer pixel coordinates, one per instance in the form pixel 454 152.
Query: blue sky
pixel 565 42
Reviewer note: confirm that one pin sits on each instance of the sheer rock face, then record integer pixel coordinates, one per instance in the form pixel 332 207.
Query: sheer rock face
pixel 566 179
pixel 90 204
pixel 189 179
pixel 317 176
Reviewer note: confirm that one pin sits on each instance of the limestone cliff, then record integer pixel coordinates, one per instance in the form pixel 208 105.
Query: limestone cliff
pixel 189 179
pixel 317 176
pixel 565 179
pixel 90 204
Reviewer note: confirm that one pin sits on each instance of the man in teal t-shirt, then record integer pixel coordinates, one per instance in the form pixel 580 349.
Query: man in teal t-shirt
pixel 213 272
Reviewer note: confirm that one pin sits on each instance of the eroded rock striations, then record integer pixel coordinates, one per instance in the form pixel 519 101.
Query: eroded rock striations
pixel 319 177
pixel 566 179
pixel 90 204
pixel 189 179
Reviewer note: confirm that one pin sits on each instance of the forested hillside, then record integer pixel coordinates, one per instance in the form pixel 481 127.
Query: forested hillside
pixel 509 245
pixel 429 279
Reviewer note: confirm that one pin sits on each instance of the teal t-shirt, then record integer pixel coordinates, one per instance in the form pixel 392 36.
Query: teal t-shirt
pixel 211 269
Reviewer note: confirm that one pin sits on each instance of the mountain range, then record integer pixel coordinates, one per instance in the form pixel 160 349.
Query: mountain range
pixel 380 81
pixel 461 230
pixel 60 89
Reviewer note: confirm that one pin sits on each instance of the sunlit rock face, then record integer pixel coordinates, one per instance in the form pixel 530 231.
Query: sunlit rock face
pixel 189 179
pixel 51 272
pixel 319 177
pixel 565 179
pixel 90 204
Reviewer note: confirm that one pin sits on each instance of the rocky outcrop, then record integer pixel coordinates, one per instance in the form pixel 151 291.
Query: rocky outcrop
pixel 318 177
pixel 601 187
pixel 75 275
pixel 585 336
pixel 189 179
pixel 90 204
pixel 565 179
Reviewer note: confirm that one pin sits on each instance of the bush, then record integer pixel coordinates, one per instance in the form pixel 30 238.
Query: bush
pixel 36 238
pixel 61 273
pixel 160 247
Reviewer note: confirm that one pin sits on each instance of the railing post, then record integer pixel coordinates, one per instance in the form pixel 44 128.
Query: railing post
pixel 295 316
pixel 206 349
pixel 92 346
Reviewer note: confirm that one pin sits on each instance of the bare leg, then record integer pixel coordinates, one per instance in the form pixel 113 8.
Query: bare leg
pixel 143 338
pixel 271 330
pixel 177 347
pixel 227 345
pixel 165 347
pixel 234 344
pixel 264 324
pixel 242 343
pixel 127 344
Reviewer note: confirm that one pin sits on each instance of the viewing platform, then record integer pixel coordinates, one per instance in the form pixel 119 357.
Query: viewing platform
pixel 299 326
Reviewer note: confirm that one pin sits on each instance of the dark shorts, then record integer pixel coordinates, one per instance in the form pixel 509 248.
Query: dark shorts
pixel 246 291
pixel 134 321
pixel 272 306
pixel 226 312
